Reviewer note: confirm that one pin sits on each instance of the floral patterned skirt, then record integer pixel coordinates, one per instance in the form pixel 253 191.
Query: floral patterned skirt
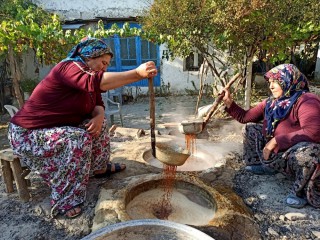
pixel 300 162
pixel 65 157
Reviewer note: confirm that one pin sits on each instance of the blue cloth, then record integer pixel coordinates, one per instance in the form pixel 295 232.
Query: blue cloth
pixel 293 83
pixel 88 48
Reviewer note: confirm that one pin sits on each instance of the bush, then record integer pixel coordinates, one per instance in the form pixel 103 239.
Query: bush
pixel 28 85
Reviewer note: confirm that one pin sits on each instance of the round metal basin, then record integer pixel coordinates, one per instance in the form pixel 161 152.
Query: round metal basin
pixel 148 229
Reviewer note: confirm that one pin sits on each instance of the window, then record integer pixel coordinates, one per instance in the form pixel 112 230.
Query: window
pixel 193 62
pixel 130 52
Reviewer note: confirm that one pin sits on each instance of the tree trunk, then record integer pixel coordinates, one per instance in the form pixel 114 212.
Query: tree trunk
pixel 248 90
pixel 16 76
pixel 203 77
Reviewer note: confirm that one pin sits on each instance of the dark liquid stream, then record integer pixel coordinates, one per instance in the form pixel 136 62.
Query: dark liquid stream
pixel 163 209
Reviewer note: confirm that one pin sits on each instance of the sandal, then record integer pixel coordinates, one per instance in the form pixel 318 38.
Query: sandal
pixel 295 202
pixel 260 170
pixel 72 212
pixel 117 168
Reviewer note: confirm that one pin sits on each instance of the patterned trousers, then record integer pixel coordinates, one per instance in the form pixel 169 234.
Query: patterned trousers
pixel 301 162
pixel 65 157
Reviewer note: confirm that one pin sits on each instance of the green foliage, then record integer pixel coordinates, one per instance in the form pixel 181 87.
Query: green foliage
pixel 28 85
pixel 221 31
pixel 240 27
pixel 26 26
pixel 182 25
pixel 229 34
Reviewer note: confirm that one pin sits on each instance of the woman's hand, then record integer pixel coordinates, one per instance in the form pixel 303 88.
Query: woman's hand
pixel 147 70
pixel 94 126
pixel 227 97
pixel 268 148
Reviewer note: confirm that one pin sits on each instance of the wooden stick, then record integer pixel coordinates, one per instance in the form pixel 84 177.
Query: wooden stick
pixel 152 116
pixel 219 99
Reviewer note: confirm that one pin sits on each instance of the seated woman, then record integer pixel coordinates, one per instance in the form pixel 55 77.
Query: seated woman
pixel 61 131
pixel 288 139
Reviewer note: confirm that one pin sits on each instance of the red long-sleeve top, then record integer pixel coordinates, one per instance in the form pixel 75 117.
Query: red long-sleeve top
pixel 302 124
pixel 65 97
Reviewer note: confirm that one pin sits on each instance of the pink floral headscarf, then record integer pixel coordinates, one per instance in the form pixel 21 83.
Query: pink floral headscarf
pixel 294 84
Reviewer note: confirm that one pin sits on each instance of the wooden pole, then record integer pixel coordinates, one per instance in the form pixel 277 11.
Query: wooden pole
pixel 152 116
pixel 218 100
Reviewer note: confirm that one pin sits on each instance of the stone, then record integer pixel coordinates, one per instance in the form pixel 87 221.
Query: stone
pixel 272 232
pixel 316 234
pixel 282 217
pixel 294 216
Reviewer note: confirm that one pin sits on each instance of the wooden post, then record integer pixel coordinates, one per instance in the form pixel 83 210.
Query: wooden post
pixel 152 117
pixel 12 170
pixel 21 183
pixel 7 175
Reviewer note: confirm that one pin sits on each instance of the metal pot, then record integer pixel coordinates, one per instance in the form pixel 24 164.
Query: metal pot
pixel 191 127
pixel 148 229
pixel 171 154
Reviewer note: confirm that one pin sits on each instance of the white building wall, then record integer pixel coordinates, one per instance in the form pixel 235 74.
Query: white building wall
pixel 171 71
pixel 90 9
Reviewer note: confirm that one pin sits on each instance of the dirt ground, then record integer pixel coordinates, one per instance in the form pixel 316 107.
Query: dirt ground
pixel 264 195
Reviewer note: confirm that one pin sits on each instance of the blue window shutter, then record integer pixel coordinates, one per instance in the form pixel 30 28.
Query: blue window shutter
pixel 148 51
pixel 117 54
pixel 138 50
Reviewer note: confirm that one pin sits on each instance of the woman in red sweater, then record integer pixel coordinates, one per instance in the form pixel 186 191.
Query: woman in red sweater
pixel 288 139
pixel 61 131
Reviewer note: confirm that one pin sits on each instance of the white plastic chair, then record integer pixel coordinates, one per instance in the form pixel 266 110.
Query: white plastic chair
pixel 111 108
pixel 116 95
pixel 12 110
